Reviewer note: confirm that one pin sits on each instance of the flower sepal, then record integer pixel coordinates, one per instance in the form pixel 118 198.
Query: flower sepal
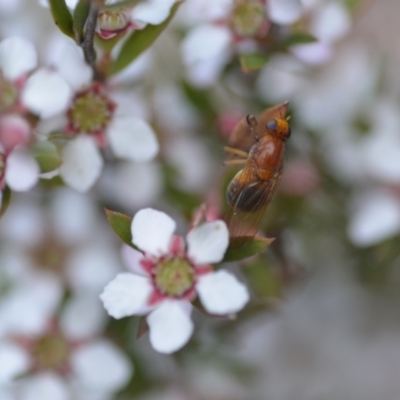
pixel 121 225
pixel 241 248
pixel 47 156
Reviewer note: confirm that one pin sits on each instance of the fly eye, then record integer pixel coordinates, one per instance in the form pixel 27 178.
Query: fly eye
pixel 272 125
pixel 289 132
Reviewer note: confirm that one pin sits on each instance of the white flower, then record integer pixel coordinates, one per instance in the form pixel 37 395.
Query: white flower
pixel 94 365
pixel 97 115
pixel 17 57
pixel 166 278
pixel 284 12
pixel 375 217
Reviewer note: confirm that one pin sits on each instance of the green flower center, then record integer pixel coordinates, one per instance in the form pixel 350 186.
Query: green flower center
pixel 247 18
pixel 90 112
pixel 50 352
pixel 174 277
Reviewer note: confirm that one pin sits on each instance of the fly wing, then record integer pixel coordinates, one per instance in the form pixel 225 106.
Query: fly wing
pixel 249 205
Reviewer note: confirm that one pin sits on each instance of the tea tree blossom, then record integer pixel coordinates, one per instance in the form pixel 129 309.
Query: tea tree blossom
pixel 93 118
pixel 167 276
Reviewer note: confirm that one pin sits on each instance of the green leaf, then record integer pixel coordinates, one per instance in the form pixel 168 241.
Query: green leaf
pixel 5 200
pixel 240 247
pixel 121 225
pixel 140 41
pixel 297 38
pixel 47 156
pixel 252 62
pixel 62 17
pixel 81 13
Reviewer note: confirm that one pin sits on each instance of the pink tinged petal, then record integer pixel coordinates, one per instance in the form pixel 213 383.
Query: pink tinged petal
pixel 46 93
pixel 45 386
pixel 14 130
pixel 133 260
pixel 22 171
pixel 101 366
pixel 205 42
pixel 82 317
pixel 221 293
pixel 17 57
pixel 126 295
pixel 82 163
pixel 331 22
pixel 284 12
pixel 170 326
pixel 376 217
pixel 152 231
pixel 208 242
pixel 14 361
pixel 132 139
pixel 152 11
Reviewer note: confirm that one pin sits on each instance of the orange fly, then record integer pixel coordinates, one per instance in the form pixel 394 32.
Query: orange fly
pixel 251 190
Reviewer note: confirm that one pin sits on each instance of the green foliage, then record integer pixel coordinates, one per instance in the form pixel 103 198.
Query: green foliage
pixel 62 17
pixel 252 62
pixel 139 41
pixel 47 156
pixel 5 201
pixel 121 225
pixel 241 248
pixel 81 13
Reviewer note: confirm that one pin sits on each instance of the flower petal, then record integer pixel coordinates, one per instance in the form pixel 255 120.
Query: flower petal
pixel 82 317
pixel 82 163
pixel 208 242
pixel 70 64
pixel 152 231
pixel 101 365
pixel 22 171
pixel 284 12
pixel 376 217
pixel 132 139
pixel 126 295
pixel 205 42
pixel 152 11
pixel 17 57
pixel 46 93
pixel 14 360
pixel 221 293
pixel 170 326
pixel 331 22
pixel 45 386
pixel 132 260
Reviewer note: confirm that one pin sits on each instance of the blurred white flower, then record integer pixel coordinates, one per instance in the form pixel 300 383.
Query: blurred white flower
pixel 167 277
pixel 374 217
pixel 17 57
pixel 284 12
pixel 330 22
pixel 60 362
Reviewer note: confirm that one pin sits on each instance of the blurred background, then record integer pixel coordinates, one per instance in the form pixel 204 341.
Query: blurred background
pixel 323 322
